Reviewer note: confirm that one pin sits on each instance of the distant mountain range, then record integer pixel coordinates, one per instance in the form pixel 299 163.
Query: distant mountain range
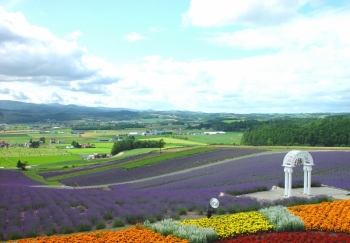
pixel 17 105
pixel 21 112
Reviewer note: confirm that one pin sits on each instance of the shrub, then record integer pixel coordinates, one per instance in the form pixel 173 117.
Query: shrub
pixel 31 234
pixel 175 216
pixel 233 209
pixel 220 211
pixel 100 225
pixel 83 227
pixel 159 216
pixel 151 220
pixel 191 208
pixel 131 218
pixel 181 211
pixel 200 210
pixel 14 236
pixel 49 232
pixel 118 223
pixel 66 230
pixel 108 216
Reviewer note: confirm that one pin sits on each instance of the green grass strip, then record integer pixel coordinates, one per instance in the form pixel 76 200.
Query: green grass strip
pixel 137 163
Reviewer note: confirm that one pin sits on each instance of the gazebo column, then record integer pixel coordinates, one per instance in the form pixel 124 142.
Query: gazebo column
pixel 290 182
pixel 286 181
pixel 305 180
pixel 309 169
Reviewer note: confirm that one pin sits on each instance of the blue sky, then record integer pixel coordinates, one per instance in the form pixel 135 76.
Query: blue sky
pixel 253 56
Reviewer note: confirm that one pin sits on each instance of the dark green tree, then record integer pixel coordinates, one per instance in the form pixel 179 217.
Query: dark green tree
pixel 161 144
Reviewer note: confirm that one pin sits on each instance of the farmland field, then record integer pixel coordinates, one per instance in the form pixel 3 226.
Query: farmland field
pixel 221 139
pixel 174 141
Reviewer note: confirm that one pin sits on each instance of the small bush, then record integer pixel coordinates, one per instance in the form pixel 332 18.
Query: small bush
pixel 14 236
pixel 220 211
pixel 83 227
pixel 31 234
pixel 175 216
pixel 108 216
pixel 49 232
pixel 190 208
pixel 200 210
pixel 100 225
pixel 131 219
pixel 159 216
pixel 151 220
pixel 66 230
pixel 181 211
pixel 118 223
pixel 233 209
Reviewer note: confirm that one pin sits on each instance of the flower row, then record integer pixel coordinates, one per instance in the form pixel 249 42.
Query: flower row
pixel 326 216
pixel 235 224
pixel 291 237
pixel 130 235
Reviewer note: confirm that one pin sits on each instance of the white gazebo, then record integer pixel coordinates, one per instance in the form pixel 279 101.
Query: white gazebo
pixel 292 159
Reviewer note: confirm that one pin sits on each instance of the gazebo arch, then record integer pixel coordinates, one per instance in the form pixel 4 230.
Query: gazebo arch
pixel 292 159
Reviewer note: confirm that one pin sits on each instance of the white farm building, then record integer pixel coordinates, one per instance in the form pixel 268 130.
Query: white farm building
pixel 213 133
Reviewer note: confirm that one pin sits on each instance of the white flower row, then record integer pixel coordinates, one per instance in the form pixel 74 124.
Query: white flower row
pixel 193 233
pixel 282 219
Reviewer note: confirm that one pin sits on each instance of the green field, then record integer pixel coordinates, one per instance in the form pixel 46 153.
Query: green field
pixel 57 155
pixel 11 162
pixel 229 138
pixel 174 141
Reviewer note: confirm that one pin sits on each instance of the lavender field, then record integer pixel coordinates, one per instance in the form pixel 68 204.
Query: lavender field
pixel 29 211
pixel 85 168
pixel 119 175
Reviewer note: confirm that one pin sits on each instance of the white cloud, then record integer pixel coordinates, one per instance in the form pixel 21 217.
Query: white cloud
pixel 133 36
pixel 209 13
pixel 33 54
pixel 307 72
pixel 74 35
pixel 318 30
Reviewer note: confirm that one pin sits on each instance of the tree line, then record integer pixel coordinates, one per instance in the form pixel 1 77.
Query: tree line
pixel 219 125
pixel 331 131
pixel 129 144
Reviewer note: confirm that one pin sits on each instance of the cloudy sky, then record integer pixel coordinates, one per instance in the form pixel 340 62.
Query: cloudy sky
pixel 252 56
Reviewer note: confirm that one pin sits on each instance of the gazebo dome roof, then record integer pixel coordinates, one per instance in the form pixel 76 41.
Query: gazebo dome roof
pixel 296 157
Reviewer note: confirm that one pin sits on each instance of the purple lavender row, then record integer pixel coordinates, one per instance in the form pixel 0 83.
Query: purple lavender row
pixel 32 210
pixel 118 175
pixel 331 168
pixel 56 173
pixel 10 177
